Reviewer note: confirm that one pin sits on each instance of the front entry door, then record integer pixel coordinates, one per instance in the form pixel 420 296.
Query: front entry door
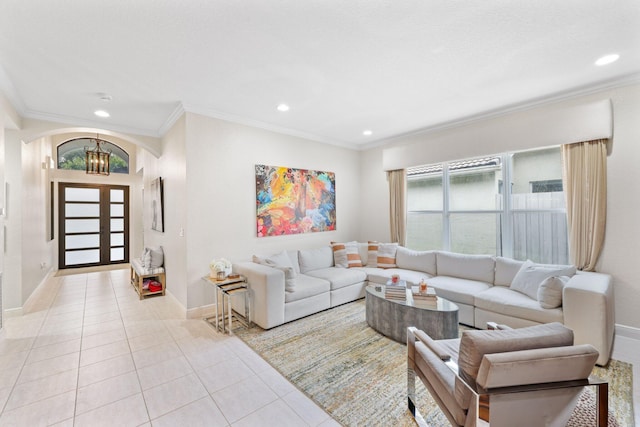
pixel 93 225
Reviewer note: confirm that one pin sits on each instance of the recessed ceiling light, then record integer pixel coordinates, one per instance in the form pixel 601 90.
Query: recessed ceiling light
pixel 283 107
pixel 367 132
pixel 607 59
pixel 101 113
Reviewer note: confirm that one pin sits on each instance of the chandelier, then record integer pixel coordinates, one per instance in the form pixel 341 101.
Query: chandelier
pixel 97 159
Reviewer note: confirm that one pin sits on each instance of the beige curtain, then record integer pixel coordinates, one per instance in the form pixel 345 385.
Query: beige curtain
pixel 397 205
pixel 585 184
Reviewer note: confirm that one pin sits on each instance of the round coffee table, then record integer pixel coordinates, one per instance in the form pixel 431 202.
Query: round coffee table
pixel 391 317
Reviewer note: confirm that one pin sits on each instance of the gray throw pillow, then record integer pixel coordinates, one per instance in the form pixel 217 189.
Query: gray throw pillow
pixel 156 257
pixel 146 258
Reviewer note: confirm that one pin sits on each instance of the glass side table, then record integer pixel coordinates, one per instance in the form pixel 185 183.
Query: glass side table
pixel 224 291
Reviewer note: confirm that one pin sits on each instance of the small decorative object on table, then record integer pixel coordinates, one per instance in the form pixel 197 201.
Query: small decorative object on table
pixel 220 268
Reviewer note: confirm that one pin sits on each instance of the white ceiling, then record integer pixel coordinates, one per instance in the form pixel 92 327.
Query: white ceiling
pixel 343 66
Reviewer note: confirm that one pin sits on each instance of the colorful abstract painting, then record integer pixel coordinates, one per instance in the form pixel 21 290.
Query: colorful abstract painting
pixel 294 201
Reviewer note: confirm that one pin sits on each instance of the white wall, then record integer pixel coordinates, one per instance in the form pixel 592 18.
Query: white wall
pixel 221 217
pixel 373 200
pixel 12 286
pixel 622 241
pixel 38 251
pixel 4 105
pixel 171 166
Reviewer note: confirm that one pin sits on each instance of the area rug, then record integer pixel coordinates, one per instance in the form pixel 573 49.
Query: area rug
pixel 360 377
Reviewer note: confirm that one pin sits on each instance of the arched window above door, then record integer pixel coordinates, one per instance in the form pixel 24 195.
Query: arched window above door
pixel 71 155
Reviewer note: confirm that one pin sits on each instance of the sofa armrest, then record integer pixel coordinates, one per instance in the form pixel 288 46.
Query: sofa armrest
pixel 267 292
pixel 588 308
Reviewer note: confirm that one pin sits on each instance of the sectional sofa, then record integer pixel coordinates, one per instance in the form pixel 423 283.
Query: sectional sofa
pixel 296 283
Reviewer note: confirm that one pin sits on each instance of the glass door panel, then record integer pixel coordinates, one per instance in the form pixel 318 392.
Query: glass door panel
pixel 94 225
pixel 82 209
pixel 82 241
pixel 79 194
pixel 82 257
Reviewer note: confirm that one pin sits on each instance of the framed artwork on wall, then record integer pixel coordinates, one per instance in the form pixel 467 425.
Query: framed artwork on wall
pixel 157 205
pixel 294 201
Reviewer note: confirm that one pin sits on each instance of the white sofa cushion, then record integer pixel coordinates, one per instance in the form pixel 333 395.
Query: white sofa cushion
pixel 511 303
pixel 416 260
pixel 550 291
pixel 339 277
pixel 456 289
pixel 531 275
pixel 292 255
pixel 281 261
pixel 307 286
pixel 506 270
pixel 382 276
pixel 316 258
pixel 472 267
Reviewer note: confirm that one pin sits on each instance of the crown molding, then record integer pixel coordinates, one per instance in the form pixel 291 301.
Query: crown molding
pixel 38 115
pixel 266 126
pixel 627 80
pixel 9 90
pixel 171 119
pixel 11 96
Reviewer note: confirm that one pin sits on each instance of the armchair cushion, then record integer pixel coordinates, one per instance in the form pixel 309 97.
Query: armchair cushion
pixel 540 365
pixel 475 344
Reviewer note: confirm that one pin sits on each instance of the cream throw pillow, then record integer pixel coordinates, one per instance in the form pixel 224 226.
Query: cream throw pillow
pixel 550 291
pixel 531 275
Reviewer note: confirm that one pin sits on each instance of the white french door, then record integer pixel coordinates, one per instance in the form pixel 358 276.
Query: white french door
pixel 93 225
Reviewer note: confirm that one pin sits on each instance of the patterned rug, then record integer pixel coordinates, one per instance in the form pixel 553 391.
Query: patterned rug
pixel 360 377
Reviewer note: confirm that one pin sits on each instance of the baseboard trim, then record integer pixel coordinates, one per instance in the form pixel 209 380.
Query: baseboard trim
pixel 202 312
pixel 35 295
pixel 174 301
pixel 10 313
pixel 628 332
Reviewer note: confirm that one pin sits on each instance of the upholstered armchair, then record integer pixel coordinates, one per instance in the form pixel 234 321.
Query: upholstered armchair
pixel 530 376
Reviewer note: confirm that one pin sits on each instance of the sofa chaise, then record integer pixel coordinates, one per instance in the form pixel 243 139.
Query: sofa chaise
pixel 296 283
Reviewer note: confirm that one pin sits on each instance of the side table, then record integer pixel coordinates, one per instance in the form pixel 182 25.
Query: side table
pixel 224 290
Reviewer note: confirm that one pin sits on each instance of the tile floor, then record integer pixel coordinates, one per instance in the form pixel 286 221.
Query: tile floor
pixel 90 353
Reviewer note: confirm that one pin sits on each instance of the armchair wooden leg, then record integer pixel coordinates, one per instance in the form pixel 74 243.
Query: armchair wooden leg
pixel 602 409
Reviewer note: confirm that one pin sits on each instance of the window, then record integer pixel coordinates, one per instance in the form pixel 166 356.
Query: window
pixel 546 186
pixel 71 155
pixel 465 207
